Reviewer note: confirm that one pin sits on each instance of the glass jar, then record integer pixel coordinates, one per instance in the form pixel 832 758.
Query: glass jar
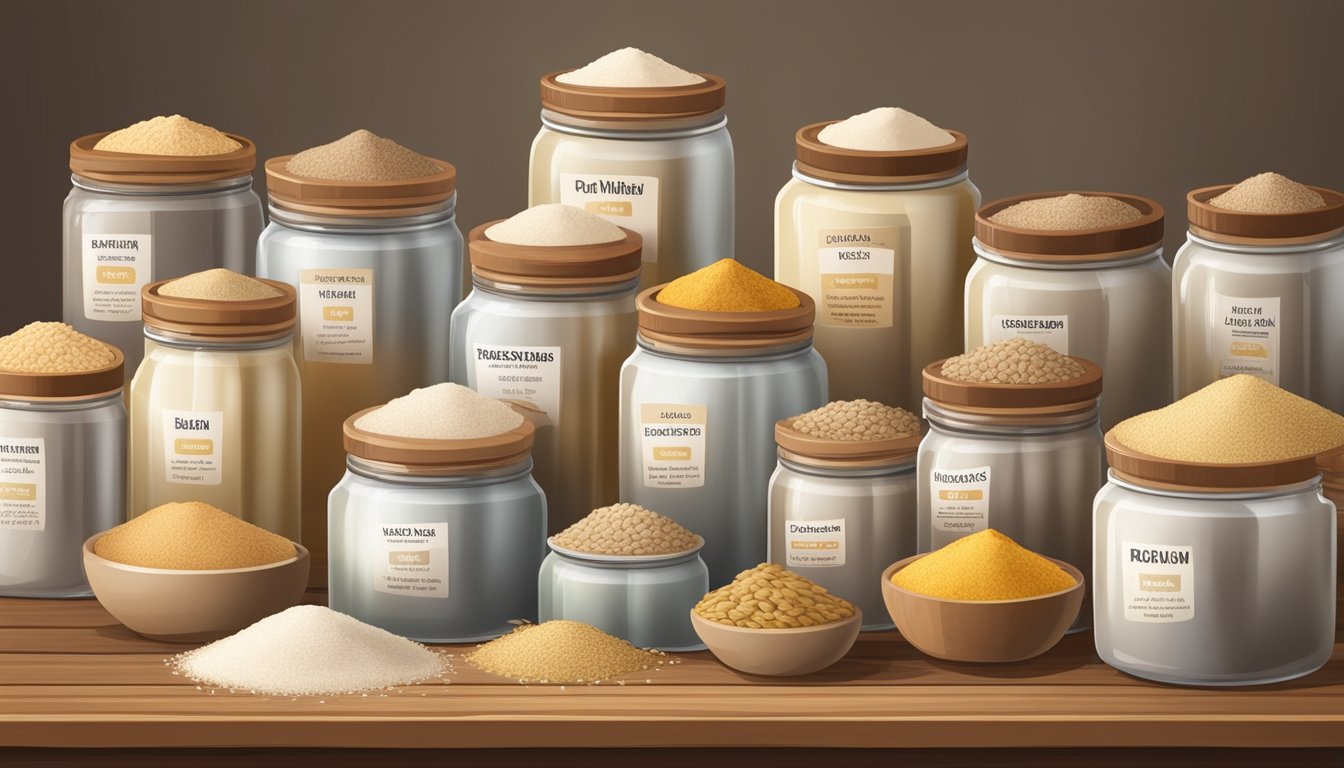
pixel 551 326
pixel 1025 460
pixel 132 219
pixel 658 161
pixel 881 242
pixel 436 540
pixel 842 511
pixel 377 267
pixel 215 408
pixel 1101 294
pixel 62 475
pixel 646 601
pixel 700 396
pixel 1261 294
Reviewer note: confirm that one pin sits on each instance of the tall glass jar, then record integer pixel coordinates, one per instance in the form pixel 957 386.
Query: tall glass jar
pixel 658 161
pixel 700 396
pixel 132 219
pixel 437 540
pixel 1101 294
pixel 1261 294
pixel 215 408
pixel 551 326
pixel 377 267
pixel 881 242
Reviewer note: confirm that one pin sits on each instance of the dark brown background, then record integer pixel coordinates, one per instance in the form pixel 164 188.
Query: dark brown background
pixel 1153 97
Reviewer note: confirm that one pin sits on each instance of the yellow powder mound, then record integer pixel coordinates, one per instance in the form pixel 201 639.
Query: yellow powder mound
pixel 52 348
pixel 174 135
pixel 727 286
pixel 192 536
pixel 218 285
pixel 561 651
pixel 983 566
pixel 1269 193
pixel 1238 420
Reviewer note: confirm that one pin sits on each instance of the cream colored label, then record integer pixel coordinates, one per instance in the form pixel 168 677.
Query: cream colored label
pixel 193 447
pixel 858 276
pixel 672 440
pixel 336 315
pixel 1050 330
pixel 960 499
pixel 116 267
pixel 1246 336
pixel 412 559
pixel 23 484
pixel 531 374
pixel 627 201
pixel 814 543
pixel 1159 582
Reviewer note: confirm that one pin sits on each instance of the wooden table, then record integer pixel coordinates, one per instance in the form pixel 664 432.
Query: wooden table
pixel 72 677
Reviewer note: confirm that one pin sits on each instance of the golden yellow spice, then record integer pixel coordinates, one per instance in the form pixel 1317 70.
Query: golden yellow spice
pixel 192 536
pixel 983 566
pixel 174 135
pixel 769 597
pixel 562 651
pixel 52 348
pixel 727 286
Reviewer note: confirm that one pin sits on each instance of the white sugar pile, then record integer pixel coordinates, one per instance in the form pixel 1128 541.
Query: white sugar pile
pixel 554 224
pixel 885 129
pixel 441 412
pixel 630 68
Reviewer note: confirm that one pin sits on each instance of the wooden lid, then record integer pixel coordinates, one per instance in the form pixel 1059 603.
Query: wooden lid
pixel 1081 390
pixel 402 197
pixel 569 265
pixel 256 320
pixel 594 103
pixel 1072 245
pixel 855 166
pixel 1229 226
pixel 1147 470
pixel 1332 460
pixel 478 453
pixel 78 385
pixel 701 329
pixel 133 168
pixel 856 453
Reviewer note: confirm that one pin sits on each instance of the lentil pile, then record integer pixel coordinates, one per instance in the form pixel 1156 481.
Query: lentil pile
pixel 1068 212
pixel 218 285
pixel 626 529
pixel 853 420
pixel 361 156
pixel 630 68
pixel 885 129
pixel 441 412
pixel 1012 361
pixel 727 286
pixel 192 536
pixel 769 597
pixel 562 651
pixel 52 348
pixel 1269 193
pixel 1238 420
pixel 175 135
pixel 983 566
pixel 553 224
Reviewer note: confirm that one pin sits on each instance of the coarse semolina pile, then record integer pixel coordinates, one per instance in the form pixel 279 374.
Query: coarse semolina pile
pixel 629 68
pixel 173 135
pixel 562 651
pixel 1269 193
pixel 885 129
pixel 1238 420
pixel 626 529
pixel 192 536
pixel 52 348
pixel 727 286
pixel 769 597
pixel 218 285
pixel 1070 211
pixel 362 156
pixel 1012 361
pixel 853 420
pixel 441 412
pixel 554 224
pixel 983 566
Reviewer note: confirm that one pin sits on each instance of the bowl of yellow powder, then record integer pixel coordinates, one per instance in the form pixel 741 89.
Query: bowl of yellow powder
pixel 983 598
pixel 190 572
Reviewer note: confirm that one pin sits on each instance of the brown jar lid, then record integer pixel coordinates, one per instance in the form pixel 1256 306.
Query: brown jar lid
pixel 76 385
pixel 399 198
pixel 1229 226
pixel 1072 245
pixel 133 168
pixel 1170 474
pixel 856 166
pixel 819 451
pixel 242 321
pixel 594 103
pixel 561 265
pixel 723 331
pixel 477 453
pixel 1332 461
pixel 968 394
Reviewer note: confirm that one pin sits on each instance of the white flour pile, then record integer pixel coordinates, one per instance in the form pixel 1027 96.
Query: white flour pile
pixel 885 129
pixel 441 412
pixel 554 224
pixel 630 68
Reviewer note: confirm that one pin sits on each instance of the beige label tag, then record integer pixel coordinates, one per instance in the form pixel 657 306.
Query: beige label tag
pixel 672 440
pixel 336 315
pixel 627 201
pixel 116 267
pixel 412 559
pixel 192 447
pixel 23 487
pixel 1246 336
pixel 960 499
pixel 814 543
pixel 1159 582
pixel 858 276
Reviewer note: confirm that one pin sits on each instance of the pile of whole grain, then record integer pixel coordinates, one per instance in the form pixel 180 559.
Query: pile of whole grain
pixel 554 224
pixel 1071 211
pixel 1269 193
pixel 629 68
pixel 769 597
pixel 562 651
pixel 626 529
pixel 218 285
pixel 441 412
pixel 727 286
pixel 361 156
pixel 175 135
pixel 52 348
pixel 1012 361
pixel 192 536
pixel 852 420
pixel 885 129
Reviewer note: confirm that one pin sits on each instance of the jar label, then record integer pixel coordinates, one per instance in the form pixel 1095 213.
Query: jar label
pixel 814 543
pixel 1246 337
pixel 1159 582
pixel 858 276
pixel 960 499
pixel 116 267
pixel 336 315
pixel 672 440
pixel 626 201
pixel 193 447
pixel 531 374
pixel 1050 330
pixel 412 559
pixel 23 484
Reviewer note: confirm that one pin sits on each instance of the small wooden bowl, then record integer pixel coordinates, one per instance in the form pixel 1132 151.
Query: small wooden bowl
pixel 982 631
pixel 779 652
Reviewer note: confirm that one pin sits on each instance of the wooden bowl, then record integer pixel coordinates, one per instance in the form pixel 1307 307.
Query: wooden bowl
pixel 982 631
pixel 779 652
